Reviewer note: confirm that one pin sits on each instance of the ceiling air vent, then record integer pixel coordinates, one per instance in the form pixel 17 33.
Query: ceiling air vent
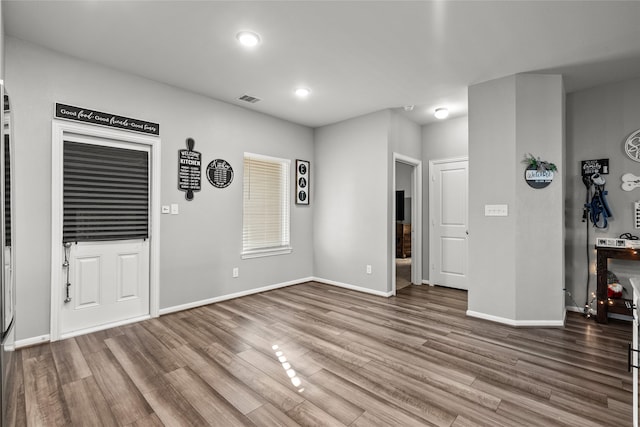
pixel 250 99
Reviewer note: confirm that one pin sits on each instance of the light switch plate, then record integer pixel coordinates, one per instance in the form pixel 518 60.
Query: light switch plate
pixel 166 209
pixel 175 210
pixel 496 210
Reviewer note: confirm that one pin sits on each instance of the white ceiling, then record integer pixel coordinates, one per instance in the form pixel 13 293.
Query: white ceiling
pixel 356 56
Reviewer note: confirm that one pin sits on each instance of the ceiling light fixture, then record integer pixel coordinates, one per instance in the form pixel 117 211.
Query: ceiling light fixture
pixel 441 113
pixel 248 39
pixel 302 92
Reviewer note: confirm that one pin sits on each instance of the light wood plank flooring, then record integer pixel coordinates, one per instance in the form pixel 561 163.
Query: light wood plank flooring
pixel 314 354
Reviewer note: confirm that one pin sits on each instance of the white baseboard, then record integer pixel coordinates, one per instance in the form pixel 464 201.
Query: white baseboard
pixel 28 342
pixel 208 301
pixel 426 282
pixel 580 310
pixel 516 323
pixel 104 326
pixel 353 287
pixel 593 313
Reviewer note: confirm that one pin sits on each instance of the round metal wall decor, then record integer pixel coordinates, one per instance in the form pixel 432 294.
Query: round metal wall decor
pixel 632 146
pixel 219 173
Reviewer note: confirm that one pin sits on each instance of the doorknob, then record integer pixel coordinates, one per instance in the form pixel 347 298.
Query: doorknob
pixel 467 232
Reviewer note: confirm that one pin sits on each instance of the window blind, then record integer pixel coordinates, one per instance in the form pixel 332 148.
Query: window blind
pixel 106 193
pixel 265 215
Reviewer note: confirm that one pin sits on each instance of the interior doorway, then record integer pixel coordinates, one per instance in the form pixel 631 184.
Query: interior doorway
pixel 406 253
pixel 403 224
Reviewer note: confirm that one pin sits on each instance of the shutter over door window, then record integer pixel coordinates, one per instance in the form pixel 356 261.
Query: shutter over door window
pixel 106 193
pixel 7 191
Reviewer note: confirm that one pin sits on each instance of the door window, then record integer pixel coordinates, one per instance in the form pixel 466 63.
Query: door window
pixel 106 193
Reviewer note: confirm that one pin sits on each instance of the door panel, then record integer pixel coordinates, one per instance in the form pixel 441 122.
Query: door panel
pixel 452 262
pixel 129 280
pixel 88 274
pixel 449 214
pixel 452 207
pixel 109 283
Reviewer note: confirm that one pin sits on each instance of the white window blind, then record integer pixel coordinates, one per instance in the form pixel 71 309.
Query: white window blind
pixel 265 214
pixel 106 193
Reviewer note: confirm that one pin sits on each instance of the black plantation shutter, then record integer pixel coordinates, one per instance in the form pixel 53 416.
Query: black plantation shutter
pixel 106 193
pixel 7 192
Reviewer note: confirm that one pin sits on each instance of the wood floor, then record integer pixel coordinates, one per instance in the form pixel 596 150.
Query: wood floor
pixel 314 354
pixel 403 273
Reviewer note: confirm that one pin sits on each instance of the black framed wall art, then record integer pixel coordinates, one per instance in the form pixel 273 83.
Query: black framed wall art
pixel 302 182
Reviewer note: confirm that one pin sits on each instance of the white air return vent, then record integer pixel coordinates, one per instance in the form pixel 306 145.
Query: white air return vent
pixel 250 99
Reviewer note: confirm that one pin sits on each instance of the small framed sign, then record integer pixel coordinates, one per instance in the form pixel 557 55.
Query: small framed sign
pixel 302 182
pixel 589 167
pixel 78 114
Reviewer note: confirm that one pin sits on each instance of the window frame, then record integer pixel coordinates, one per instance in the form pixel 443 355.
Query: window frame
pixel 285 247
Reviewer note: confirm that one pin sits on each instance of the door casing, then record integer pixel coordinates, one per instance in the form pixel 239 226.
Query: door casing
pixel 416 220
pixel 60 130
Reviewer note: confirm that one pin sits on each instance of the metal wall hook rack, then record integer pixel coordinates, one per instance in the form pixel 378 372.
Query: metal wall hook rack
pixel 629 354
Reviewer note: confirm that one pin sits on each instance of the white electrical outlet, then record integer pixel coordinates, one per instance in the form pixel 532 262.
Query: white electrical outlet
pixel 236 272
pixel 368 269
pixel 175 210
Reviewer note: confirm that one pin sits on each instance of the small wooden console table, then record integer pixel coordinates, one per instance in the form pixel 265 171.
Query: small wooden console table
pixel 606 305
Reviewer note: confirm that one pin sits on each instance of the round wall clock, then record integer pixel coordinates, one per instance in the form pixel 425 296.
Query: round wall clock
pixel 632 146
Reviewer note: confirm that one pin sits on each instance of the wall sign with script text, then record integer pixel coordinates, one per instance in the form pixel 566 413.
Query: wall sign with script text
pixel 537 178
pixel 85 115
pixel 220 173
pixel 589 167
pixel 189 170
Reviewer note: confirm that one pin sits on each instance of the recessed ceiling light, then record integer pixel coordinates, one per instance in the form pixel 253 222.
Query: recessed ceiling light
pixel 248 38
pixel 302 92
pixel 441 113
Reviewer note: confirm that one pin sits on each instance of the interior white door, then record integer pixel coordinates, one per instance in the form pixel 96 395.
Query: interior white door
pixel 109 282
pixel 448 209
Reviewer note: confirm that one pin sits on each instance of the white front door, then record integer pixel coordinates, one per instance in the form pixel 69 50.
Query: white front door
pixel 448 211
pixel 108 282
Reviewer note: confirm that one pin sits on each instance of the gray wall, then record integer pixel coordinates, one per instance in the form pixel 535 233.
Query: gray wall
pixel 447 139
pixel 516 263
pixel 598 122
pixel 2 42
pixel 355 197
pixel 201 245
pixel 492 169
pixel 351 199
pixel 540 213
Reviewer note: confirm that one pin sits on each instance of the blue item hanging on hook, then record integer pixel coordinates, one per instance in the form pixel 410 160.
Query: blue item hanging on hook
pixel 599 210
